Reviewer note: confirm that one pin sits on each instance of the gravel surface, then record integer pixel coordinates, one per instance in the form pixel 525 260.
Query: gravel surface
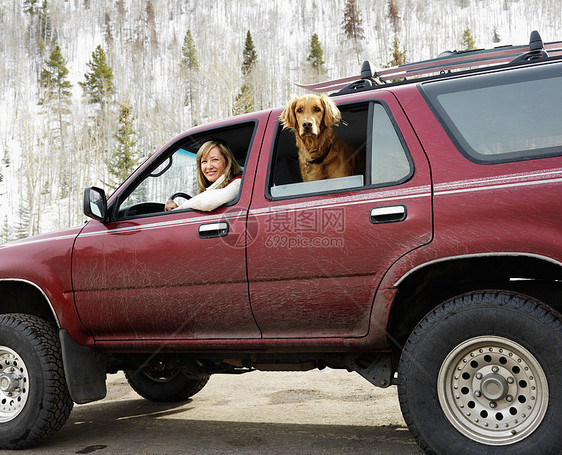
pixel 316 412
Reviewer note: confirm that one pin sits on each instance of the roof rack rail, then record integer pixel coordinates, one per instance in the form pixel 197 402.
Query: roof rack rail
pixel 445 63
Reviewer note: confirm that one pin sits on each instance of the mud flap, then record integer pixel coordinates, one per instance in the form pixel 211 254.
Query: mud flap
pixel 84 369
pixel 378 371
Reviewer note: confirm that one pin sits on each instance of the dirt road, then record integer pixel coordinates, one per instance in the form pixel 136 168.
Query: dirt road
pixel 319 412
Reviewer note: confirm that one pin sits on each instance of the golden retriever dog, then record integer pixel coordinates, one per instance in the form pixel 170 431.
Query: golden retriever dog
pixel 322 154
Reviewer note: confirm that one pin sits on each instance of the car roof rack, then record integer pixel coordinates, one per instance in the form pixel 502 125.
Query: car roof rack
pixel 445 63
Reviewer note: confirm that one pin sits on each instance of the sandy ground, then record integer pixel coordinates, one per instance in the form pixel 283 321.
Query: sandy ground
pixel 318 412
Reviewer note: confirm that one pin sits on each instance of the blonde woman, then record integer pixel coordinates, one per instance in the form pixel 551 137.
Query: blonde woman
pixel 218 178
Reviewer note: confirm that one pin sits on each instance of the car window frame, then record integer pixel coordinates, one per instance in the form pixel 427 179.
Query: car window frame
pixel 368 154
pixel 153 162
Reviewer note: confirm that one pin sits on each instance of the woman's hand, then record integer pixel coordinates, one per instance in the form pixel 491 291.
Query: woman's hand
pixel 170 205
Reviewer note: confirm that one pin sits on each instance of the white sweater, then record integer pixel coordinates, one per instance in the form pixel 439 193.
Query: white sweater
pixel 213 197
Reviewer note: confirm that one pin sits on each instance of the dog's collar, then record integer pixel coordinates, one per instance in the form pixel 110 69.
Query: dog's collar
pixel 320 159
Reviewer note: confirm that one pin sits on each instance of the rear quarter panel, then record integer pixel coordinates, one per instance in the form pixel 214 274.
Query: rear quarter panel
pixel 484 209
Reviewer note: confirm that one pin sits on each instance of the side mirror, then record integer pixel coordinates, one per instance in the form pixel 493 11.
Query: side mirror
pixel 95 203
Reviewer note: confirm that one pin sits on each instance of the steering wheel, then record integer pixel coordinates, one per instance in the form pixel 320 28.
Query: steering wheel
pixel 180 194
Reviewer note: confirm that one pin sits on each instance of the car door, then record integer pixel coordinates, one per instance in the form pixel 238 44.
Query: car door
pixel 169 276
pixel 318 254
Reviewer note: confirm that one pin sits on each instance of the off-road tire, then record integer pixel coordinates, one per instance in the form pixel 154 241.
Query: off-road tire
pixel 34 400
pixel 164 385
pixel 466 350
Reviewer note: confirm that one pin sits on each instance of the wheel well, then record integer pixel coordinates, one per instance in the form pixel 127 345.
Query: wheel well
pixel 427 287
pixel 23 297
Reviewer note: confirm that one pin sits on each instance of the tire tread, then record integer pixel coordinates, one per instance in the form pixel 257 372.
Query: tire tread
pixel 57 404
pixel 539 311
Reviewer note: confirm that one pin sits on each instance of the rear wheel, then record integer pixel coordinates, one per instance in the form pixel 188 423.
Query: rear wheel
pixel 34 398
pixel 164 384
pixel 480 374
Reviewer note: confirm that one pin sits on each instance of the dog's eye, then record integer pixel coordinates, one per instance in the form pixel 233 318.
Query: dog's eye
pixel 317 109
pixel 299 110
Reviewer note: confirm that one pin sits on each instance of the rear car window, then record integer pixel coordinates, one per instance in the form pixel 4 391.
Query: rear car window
pixel 370 129
pixel 502 116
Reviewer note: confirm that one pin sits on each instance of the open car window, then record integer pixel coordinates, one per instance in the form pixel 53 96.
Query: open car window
pixel 175 171
pixel 381 154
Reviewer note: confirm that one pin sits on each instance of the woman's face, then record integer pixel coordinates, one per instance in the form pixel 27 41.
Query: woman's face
pixel 213 165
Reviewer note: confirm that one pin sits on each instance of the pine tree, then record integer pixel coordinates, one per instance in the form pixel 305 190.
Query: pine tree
pixel 98 91
pixel 316 64
pixel 151 24
pixel 189 67
pixel 393 15
pixel 108 36
pixel 467 42
pixel 398 56
pixel 125 159
pixel 189 61
pixel 121 13
pixel 56 89
pixel 496 38
pixel 98 84
pixel 352 25
pixel 53 78
pixel 6 158
pixel 244 101
pixel 249 55
pixel 5 234
pixel 23 228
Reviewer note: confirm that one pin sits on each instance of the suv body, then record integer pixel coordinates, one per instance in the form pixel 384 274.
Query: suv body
pixel 438 270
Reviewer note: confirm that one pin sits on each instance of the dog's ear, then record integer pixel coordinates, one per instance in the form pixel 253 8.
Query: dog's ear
pixel 332 114
pixel 288 117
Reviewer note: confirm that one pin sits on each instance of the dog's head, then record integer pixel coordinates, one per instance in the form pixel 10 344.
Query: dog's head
pixel 310 115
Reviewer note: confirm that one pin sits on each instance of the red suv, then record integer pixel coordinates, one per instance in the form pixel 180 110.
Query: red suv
pixel 438 269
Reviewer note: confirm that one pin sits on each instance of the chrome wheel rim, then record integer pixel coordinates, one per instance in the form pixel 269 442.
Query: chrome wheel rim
pixel 14 384
pixel 493 390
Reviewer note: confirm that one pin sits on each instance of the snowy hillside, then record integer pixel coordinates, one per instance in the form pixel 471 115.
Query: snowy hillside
pixel 47 158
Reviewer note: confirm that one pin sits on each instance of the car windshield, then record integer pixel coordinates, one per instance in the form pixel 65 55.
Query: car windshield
pixel 166 179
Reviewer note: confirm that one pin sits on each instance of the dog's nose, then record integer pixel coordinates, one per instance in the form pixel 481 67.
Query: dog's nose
pixel 307 124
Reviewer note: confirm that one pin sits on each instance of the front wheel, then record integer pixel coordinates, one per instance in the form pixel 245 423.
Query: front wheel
pixel 164 384
pixel 34 398
pixel 481 373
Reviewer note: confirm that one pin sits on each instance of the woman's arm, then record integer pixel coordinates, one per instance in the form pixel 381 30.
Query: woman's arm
pixel 212 198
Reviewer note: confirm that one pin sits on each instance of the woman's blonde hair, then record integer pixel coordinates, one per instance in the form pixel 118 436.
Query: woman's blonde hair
pixel 231 170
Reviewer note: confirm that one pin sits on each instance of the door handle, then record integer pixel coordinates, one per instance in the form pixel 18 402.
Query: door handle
pixel 390 214
pixel 210 230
